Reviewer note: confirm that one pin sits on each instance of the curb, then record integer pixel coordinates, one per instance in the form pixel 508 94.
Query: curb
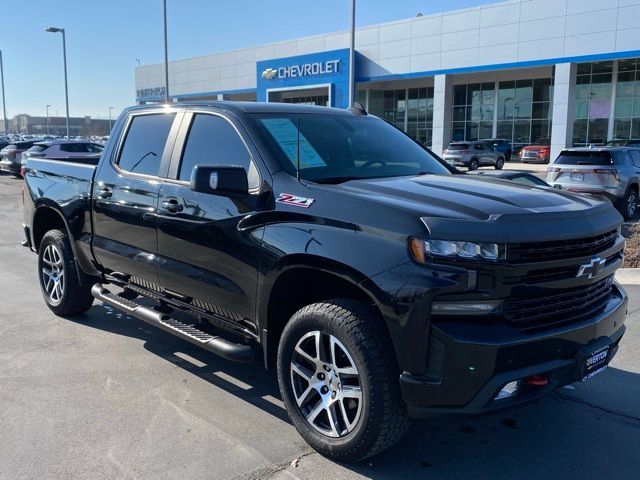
pixel 629 276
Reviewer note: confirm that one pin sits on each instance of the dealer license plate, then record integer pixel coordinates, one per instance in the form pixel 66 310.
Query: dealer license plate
pixel 577 177
pixel 596 362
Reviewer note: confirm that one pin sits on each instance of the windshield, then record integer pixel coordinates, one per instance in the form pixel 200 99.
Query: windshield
pixel 336 148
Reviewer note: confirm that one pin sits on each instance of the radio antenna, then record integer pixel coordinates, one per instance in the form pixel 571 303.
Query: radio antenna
pixel 298 151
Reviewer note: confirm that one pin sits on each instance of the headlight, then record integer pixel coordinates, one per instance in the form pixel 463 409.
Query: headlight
pixel 420 249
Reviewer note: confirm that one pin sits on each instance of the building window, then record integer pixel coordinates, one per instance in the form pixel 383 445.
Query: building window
pixel 473 107
pixel 420 115
pixel 524 111
pixel 389 104
pixel 627 104
pixel 592 103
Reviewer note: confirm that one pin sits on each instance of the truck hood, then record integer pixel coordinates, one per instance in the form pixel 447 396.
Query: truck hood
pixel 481 208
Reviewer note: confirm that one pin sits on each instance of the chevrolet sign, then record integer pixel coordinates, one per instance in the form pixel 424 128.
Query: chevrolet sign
pixel 303 70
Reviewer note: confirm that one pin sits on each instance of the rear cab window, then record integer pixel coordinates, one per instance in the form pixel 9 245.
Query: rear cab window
pixel 144 143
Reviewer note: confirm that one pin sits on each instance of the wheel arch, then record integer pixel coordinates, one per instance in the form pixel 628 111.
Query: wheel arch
pixel 299 281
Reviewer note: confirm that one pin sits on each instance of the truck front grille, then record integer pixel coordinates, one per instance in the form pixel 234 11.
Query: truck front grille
pixel 562 306
pixel 560 249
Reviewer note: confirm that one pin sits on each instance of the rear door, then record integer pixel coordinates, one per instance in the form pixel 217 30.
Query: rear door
pixel 125 194
pixel 203 255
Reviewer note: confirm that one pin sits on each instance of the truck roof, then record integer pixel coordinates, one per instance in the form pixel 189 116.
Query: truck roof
pixel 251 107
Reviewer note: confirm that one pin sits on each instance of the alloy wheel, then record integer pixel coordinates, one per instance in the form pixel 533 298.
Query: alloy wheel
pixel 631 204
pixel 326 384
pixel 53 274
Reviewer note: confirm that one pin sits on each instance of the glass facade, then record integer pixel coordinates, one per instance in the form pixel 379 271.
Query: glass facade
pixel 408 109
pixel 592 103
pixel 627 103
pixel 524 111
pixel 473 107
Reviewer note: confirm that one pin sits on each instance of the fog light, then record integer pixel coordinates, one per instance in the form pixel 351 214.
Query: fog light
pixel 466 308
pixel 509 390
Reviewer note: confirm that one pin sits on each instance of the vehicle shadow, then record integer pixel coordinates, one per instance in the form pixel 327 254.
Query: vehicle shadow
pixel 249 382
pixel 573 433
pixel 576 432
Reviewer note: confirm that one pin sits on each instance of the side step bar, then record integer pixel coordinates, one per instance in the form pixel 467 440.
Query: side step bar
pixel 231 351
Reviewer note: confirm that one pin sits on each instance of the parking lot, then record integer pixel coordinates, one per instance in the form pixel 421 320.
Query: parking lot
pixel 106 396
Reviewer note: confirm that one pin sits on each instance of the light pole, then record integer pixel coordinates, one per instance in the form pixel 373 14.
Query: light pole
pixel 4 105
pixel 47 108
pixel 110 108
pixel 64 56
pixel 166 54
pixel 352 55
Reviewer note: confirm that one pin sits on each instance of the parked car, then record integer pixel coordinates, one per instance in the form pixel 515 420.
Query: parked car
pixel 523 178
pixel 473 155
pixel 537 152
pixel 633 142
pixel 501 145
pixel 74 150
pixel 11 157
pixel 380 285
pixel 608 172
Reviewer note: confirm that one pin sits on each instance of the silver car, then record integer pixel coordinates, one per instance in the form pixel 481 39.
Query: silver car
pixel 473 155
pixel 607 172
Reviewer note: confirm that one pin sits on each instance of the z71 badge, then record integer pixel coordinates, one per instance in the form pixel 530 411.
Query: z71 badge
pixel 290 199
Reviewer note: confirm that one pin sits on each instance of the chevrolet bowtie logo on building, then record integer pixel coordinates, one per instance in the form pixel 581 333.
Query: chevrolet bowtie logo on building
pixel 591 269
pixel 269 74
pixel 303 70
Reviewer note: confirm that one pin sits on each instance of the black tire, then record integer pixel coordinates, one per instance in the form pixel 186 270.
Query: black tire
pixel 383 418
pixel 74 296
pixel 499 163
pixel 473 164
pixel 628 205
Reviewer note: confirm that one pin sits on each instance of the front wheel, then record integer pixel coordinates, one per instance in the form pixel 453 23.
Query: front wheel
pixel 59 283
pixel 339 380
pixel 629 204
pixel 473 164
pixel 499 163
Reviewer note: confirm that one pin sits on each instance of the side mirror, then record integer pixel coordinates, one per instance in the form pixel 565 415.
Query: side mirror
pixel 220 180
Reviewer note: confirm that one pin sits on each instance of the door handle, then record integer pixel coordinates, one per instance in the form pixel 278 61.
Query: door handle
pixel 104 192
pixel 172 205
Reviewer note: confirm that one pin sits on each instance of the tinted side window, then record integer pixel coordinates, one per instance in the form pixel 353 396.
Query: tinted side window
pixel 635 157
pixel 212 140
pixel 144 143
pixel 73 147
pixel 94 148
pixel 479 146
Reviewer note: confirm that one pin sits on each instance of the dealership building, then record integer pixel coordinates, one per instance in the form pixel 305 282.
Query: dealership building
pixel 561 72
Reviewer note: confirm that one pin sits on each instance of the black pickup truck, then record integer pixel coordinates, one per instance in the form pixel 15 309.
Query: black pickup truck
pixel 380 283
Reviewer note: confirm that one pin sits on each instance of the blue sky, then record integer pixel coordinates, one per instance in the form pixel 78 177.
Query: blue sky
pixel 104 38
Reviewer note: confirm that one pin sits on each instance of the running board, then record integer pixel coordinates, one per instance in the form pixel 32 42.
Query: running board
pixel 231 351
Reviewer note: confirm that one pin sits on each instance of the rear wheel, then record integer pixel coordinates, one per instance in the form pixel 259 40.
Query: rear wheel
pixel 499 163
pixel 473 164
pixel 629 204
pixel 61 289
pixel 339 380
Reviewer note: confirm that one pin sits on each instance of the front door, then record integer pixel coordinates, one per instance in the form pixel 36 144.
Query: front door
pixel 203 256
pixel 125 196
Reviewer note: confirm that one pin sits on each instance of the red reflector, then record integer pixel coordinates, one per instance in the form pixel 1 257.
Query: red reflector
pixel 537 380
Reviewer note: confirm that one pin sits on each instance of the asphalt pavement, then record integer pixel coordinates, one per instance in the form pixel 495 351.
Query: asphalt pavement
pixel 106 396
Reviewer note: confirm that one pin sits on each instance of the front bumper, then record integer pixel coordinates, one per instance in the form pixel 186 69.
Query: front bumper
pixel 477 361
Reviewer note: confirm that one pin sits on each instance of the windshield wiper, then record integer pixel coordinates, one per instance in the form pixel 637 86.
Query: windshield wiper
pixel 334 180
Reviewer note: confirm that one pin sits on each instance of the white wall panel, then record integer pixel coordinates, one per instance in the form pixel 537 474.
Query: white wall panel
pixel 422 45
pixel 395 31
pixel 539 29
pixel 538 9
pixel 460 40
pixel 500 15
pixel 628 39
pixel 498 54
pixel 425 26
pixel 587 44
pixel 425 63
pixel 401 48
pixel 580 6
pixel 367 36
pixel 628 16
pixel 553 48
pixel 456 22
pixel 499 35
pixel 460 58
pixel 591 22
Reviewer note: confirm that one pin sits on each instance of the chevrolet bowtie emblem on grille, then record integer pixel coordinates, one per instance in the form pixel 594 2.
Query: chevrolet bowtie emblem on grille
pixel 591 269
pixel 269 74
